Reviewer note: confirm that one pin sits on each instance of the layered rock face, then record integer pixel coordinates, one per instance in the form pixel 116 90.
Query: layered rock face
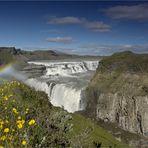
pixel 125 106
pixel 34 70
pixel 118 92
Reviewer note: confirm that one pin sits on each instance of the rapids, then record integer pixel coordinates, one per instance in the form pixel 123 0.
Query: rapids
pixel 64 82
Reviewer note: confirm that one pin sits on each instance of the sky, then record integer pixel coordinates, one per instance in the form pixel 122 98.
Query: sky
pixel 77 27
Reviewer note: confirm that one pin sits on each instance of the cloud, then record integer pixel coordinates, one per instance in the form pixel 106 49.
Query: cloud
pixel 96 26
pixel 133 12
pixel 64 40
pixel 64 20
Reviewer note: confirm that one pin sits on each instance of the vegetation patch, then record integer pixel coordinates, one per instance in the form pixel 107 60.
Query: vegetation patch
pixel 125 61
pixel 27 119
pixel 86 133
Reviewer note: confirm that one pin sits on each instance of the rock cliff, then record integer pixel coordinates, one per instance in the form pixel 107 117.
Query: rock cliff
pixel 118 93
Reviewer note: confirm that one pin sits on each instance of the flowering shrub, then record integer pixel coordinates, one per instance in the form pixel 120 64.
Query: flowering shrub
pixel 15 123
pixel 25 118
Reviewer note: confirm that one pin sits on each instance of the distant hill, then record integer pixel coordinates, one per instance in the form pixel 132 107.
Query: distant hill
pixel 125 61
pixel 9 54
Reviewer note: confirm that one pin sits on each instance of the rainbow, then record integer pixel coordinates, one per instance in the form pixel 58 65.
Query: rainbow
pixel 6 72
pixel 4 69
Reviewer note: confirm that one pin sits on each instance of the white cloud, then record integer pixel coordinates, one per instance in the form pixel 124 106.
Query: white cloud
pixel 64 40
pixel 96 26
pixel 133 12
pixel 64 20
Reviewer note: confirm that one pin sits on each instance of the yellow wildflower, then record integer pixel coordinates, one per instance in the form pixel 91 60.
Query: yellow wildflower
pixel 1 146
pixel 19 117
pixel 19 126
pixel 6 98
pixel 31 122
pixel 24 142
pixel 13 130
pixel 26 110
pixel 20 123
pixel 1 124
pixel 3 138
pixel 6 130
pixel 7 121
pixel 10 137
pixel 15 110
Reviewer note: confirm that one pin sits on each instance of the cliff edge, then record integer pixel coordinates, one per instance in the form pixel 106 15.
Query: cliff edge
pixel 118 93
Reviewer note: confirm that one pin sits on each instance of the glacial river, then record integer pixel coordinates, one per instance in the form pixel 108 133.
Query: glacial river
pixel 64 81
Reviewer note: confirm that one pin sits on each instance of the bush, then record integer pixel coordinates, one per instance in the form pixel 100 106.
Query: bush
pixel 27 119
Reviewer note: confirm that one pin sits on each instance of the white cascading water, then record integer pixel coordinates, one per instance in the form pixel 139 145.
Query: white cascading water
pixel 64 82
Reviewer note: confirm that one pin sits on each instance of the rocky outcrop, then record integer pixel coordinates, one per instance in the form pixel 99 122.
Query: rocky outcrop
pixel 118 93
pixel 131 114
pixel 124 102
pixel 33 70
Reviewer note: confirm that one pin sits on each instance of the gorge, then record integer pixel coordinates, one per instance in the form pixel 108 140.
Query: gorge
pixel 118 94
pixel 63 80
pixel 114 92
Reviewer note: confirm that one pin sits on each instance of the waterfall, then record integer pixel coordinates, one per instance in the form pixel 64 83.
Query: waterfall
pixel 67 68
pixel 66 96
pixel 59 94
pixel 64 82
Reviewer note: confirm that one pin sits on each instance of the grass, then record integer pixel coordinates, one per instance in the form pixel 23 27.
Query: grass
pixel 125 61
pixel 27 119
pixel 125 68
pixel 89 134
pixel 24 118
pixel 15 124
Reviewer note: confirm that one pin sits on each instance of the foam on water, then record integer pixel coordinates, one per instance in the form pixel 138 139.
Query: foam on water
pixel 66 90
pixel 67 68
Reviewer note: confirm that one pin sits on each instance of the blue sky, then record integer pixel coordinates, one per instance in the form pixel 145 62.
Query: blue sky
pixel 96 28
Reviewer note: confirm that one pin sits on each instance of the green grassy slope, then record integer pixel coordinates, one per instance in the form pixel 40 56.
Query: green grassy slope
pixel 53 127
pixel 88 134
pixel 120 69
pixel 125 61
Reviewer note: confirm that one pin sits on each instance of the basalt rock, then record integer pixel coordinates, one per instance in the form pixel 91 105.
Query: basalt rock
pixel 118 93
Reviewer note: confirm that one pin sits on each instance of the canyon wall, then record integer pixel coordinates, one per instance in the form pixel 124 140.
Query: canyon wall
pixel 118 93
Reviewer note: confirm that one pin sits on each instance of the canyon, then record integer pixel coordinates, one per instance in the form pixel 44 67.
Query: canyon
pixel 63 80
